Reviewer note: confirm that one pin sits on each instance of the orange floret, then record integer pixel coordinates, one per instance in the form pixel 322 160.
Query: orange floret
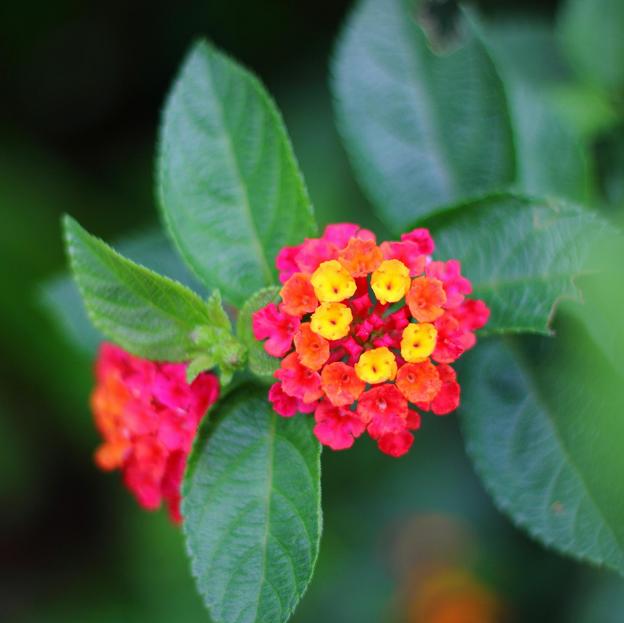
pixel 360 257
pixel 341 384
pixel 313 349
pixel 419 382
pixel 298 295
pixel 108 402
pixel 425 299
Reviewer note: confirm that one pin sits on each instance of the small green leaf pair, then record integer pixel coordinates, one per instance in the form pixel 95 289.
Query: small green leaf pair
pixel 218 347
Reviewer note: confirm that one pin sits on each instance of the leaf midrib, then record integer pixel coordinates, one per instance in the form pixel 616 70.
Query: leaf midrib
pixel 106 259
pixel 266 269
pixel 265 537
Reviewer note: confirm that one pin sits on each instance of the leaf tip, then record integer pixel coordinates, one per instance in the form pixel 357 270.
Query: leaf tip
pixel 199 45
pixel 71 229
pixel 68 225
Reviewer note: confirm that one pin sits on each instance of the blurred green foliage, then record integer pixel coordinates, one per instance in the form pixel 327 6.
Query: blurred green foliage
pixel 79 114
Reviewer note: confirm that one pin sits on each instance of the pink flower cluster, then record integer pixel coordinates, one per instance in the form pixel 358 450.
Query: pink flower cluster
pixel 148 415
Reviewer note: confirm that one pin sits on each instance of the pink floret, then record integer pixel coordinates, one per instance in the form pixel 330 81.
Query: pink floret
pixel 277 327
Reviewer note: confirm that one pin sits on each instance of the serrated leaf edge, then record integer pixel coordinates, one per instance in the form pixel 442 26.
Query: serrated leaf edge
pixel 521 522
pixel 206 428
pixel 280 125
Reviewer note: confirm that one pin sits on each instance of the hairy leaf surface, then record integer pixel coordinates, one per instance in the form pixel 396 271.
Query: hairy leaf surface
pixel 147 314
pixel 522 255
pixel 423 129
pixel 252 510
pixel 230 188
pixel 543 425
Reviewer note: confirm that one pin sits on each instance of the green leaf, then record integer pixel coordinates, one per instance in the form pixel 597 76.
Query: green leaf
pixel 61 298
pixel 542 419
pixel 147 314
pixel 551 157
pixel 153 249
pixel 422 129
pixel 200 364
pixel 522 255
pixel 585 108
pixel 591 33
pixel 219 345
pixel 600 312
pixel 527 46
pixel 612 173
pixel 216 313
pixel 260 362
pixel 251 503
pixel 230 189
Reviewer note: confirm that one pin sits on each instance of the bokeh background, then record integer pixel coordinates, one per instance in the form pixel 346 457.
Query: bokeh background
pixel 408 541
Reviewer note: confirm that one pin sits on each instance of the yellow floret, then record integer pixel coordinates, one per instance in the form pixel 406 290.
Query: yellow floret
pixel 331 320
pixel 418 342
pixel 332 282
pixel 391 281
pixel 376 366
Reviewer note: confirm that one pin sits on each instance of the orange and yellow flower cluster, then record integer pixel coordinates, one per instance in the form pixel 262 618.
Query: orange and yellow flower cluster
pixel 365 330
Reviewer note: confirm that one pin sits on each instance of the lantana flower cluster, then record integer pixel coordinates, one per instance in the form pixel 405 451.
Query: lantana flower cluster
pixel 366 334
pixel 148 415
